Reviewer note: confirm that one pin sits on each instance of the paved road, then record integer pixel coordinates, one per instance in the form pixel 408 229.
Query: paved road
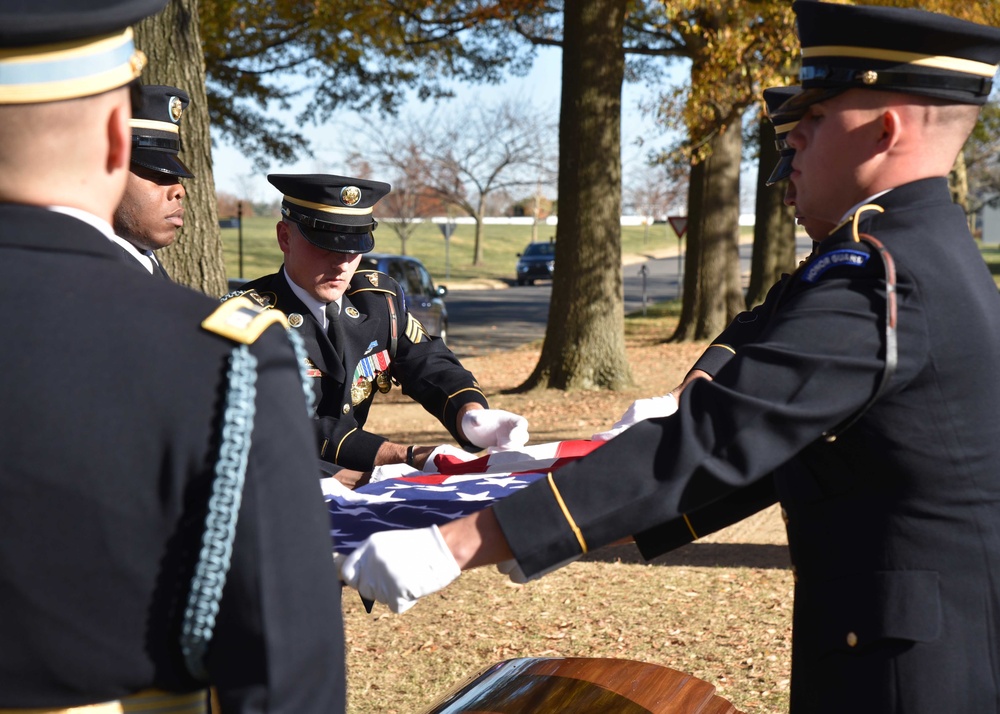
pixel 486 320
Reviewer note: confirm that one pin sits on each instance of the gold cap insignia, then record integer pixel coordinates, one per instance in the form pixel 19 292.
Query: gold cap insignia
pixel 176 107
pixel 137 63
pixel 295 319
pixel 350 195
pixel 373 279
pixel 869 77
pixel 352 312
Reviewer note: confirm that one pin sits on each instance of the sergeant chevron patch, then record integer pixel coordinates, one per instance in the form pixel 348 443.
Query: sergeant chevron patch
pixel 415 332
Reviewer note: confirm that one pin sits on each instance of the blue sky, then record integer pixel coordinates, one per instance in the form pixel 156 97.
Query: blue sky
pixel 235 174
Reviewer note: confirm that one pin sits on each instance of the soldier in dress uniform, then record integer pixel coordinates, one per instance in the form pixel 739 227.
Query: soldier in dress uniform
pixel 359 337
pixel 152 212
pixel 869 397
pixel 147 542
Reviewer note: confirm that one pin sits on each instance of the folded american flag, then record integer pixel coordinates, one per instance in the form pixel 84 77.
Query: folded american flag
pixel 422 499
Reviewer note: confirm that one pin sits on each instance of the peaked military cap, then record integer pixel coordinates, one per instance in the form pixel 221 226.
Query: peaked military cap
pixel 774 97
pixel 891 48
pixel 156 137
pixel 52 50
pixel 333 212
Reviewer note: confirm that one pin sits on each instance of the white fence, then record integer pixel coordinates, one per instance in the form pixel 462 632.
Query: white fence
pixel 746 219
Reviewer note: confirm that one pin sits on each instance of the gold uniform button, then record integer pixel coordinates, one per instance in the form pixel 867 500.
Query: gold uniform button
pixel 347 408
pixel 852 639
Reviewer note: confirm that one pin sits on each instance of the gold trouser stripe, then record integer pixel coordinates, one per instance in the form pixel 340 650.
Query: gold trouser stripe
pixel 566 514
pixel 149 701
pixel 690 527
pixel 154 701
pixel 106 708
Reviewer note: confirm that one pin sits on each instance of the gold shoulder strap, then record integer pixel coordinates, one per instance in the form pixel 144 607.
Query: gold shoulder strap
pixel 240 320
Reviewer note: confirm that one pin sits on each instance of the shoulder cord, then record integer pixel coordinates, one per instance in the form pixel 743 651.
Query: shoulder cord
pixel 891 350
pixel 223 510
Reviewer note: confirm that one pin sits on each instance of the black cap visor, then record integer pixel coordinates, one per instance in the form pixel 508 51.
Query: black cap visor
pixel 339 242
pixel 797 105
pixel 783 170
pixel 162 162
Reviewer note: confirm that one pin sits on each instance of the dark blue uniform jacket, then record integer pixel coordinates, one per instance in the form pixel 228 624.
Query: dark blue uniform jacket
pixel 422 365
pixel 110 415
pixel 894 527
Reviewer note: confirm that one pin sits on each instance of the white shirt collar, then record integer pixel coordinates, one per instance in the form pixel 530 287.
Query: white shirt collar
pixel 104 227
pixel 85 216
pixel 856 206
pixel 145 260
pixel 317 308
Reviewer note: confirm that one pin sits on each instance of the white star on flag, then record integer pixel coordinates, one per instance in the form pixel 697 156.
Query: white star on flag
pixel 456 489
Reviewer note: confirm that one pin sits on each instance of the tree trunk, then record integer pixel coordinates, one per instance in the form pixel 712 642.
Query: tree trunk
pixel 774 228
pixel 172 42
pixel 584 345
pixel 958 184
pixel 477 248
pixel 713 290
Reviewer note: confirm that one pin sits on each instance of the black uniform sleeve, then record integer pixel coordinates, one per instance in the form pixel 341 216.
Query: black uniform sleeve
pixel 423 365
pixel 818 360
pixel 744 328
pixel 431 374
pixel 728 510
pixel 278 643
pixel 345 444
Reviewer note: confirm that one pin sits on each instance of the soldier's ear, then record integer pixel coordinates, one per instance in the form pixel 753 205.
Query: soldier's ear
pixel 119 152
pixel 284 236
pixel 890 123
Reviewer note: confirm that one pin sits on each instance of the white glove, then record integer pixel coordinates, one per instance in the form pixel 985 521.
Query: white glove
pixel 640 410
pixel 398 567
pixel 447 450
pixel 495 427
pixel 387 471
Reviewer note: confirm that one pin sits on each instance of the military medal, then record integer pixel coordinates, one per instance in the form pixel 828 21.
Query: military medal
pixel 360 391
pixel 371 368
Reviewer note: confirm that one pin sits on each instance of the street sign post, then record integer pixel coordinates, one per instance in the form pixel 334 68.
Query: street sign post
pixel 680 225
pixel 446 230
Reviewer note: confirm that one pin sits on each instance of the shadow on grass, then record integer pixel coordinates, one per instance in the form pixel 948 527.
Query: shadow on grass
pixel 704 555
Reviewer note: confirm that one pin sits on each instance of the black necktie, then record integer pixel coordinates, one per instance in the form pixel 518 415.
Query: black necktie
pixel 335 331
pixel 159 270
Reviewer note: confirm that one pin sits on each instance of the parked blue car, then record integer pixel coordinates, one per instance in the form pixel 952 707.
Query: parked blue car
pixel 537 261
pixel 423 299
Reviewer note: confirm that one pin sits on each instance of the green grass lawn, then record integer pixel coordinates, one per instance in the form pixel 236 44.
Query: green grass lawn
pixel 991 254
pixel 501 244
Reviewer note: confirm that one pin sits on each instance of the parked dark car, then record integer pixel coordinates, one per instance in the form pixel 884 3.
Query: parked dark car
pixel 537 261
pixel 423 298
